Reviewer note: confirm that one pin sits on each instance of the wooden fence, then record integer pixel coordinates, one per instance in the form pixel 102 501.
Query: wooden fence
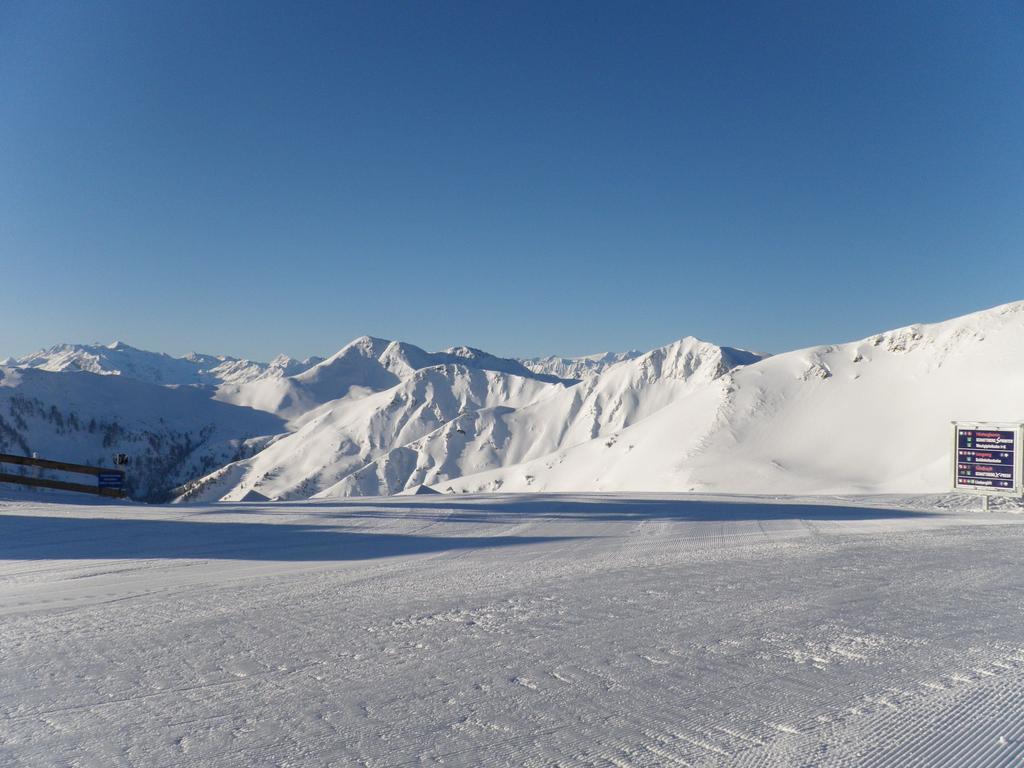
pixel 109 482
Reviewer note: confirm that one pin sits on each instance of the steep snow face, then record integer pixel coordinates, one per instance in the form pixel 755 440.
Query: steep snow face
pixel 347 433
pixel 172 434
pixel 867 416
pixel 578 367
pixel 120 359
pixel 597 406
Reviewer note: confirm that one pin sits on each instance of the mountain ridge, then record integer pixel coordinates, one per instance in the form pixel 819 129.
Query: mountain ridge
pixel 867 416
pixel 384 417
pixel 501 429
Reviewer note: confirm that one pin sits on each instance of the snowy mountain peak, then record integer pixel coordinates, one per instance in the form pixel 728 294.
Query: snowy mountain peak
pixel 370 346
pixel 470 353
pixel 282 361
pixel 597 407
pixel 402 358
pixel 682 359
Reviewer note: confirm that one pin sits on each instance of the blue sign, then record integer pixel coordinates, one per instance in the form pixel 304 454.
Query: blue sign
pixel 110 480
pixel 986 459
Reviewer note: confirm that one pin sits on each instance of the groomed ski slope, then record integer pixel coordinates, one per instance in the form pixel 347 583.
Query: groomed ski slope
pixel 570 630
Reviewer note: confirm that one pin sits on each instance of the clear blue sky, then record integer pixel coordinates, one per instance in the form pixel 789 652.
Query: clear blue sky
pixel 253 178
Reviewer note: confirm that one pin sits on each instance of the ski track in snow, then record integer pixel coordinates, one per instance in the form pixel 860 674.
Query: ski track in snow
pixel 568 630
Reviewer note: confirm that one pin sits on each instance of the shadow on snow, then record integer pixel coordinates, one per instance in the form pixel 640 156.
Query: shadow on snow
pixel 557 507
pixel 24 537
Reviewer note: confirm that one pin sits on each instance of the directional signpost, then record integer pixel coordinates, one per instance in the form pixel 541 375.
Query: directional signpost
pixel 987 458
pixel 110 480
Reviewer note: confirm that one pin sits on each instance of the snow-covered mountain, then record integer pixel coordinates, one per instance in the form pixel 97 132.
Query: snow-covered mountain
pixel 361 367
pixel 330 395
pixel 863 417
pixel 599 405
pixel 120 359
pixel 284 386
pixel 348 433
pixel 385 417
pixel 445 420
pixel 172 434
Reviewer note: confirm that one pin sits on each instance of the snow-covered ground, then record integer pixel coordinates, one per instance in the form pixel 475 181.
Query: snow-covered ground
pixel 629 630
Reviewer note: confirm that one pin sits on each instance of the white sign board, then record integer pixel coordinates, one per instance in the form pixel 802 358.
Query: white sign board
pixel 987 457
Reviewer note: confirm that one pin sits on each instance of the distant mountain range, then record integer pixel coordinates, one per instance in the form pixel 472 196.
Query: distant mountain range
pixel 183 417
pixel 119 359
pixel 386 417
